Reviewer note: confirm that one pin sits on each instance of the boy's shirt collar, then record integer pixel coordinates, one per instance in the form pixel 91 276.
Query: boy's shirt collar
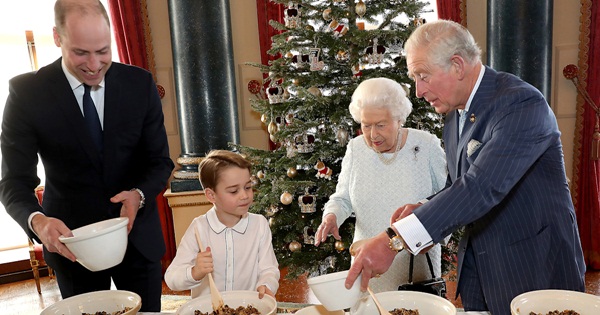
pixel 218 227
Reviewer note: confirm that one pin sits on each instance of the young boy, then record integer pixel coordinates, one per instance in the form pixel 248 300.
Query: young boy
pixel 238 249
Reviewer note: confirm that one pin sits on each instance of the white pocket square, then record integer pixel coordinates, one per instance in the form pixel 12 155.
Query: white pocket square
pixel 472 147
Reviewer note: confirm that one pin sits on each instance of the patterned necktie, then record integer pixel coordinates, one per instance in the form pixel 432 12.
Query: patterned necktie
pixel 92 120
pixel 461 121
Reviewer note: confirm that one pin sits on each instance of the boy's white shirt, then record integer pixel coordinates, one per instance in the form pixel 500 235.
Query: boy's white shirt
pixel 243 255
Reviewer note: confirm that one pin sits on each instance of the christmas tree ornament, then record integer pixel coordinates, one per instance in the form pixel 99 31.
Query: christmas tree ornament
pixel 286 94
pixel 374 54
pixel 315 63
pixel 254 180
pixel 300 60
pixel 360 8
pixel 295 246
pixel 323 171
pixel 260 174
pixel 327 14
pixel 305 143
pixel 356 72
pixel 297 81
pixel 290 149
pixel 289 118
pixel 286 198
pixel 272 221
pixel 395 47
pixel 307 202
pixel 340 246
pixel 273 138
pixel 309 27
pixel 292 15
pixel 272 128
pixel 338 29
pixel 263 118
pixel 341 135
pixel 342 56
pixel 292 172
pixel 315 91
pixel 309 239
pixel 271 210
pixel 275 93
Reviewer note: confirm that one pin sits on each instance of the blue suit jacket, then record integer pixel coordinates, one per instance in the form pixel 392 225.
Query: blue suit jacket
pixel 42 116
pixel 510 193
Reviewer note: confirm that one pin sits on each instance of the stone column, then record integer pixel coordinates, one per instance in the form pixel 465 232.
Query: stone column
pixel 205 83
pixel 519 40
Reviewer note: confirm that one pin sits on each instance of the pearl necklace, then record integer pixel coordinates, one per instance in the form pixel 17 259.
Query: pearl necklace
pixel 391 160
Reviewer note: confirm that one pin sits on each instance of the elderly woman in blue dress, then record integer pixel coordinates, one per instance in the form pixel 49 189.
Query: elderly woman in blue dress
pixel 385 167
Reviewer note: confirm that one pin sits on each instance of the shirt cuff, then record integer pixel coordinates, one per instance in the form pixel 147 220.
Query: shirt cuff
pixel 414 234
pixel 422 201
pixel 30 219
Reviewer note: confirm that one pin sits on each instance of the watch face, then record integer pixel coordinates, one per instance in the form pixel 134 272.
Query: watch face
pixel 396 244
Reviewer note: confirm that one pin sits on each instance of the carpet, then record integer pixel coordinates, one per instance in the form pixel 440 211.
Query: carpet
pixel 171 303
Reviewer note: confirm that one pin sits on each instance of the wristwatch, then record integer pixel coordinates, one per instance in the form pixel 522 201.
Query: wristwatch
pixel 396 242
pixel 142 197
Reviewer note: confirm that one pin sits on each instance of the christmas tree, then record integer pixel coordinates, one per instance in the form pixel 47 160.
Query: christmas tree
pixel 324 53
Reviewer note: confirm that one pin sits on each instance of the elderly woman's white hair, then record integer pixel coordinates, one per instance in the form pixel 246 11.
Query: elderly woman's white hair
pixel 380 93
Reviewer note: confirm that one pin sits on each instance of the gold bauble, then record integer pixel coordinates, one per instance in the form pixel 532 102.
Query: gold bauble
pixel 254 180
pixel 360 8
pixel 260 174
pixel 296 81
pixel 272 127
pixel 292 172
pixel 289 54
pixel 295 246
pixel 314 91
pixel 264 118
pixel 340 246
pixel 309 27
pixel 286 198
pixel 273 138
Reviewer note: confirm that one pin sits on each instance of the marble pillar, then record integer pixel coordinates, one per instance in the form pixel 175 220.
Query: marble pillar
pixel 519 40
pixel 205 83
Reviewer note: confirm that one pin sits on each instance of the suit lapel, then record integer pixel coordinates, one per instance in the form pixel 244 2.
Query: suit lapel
pixel 63 95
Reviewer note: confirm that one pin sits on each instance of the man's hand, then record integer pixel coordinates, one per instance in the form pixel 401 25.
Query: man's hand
pixel 403 212
pixel 373 258
pixel 327 227
pixel 131 204
pixel 48 230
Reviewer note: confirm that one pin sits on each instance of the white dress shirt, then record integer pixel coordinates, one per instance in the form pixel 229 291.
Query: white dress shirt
pixel 243 255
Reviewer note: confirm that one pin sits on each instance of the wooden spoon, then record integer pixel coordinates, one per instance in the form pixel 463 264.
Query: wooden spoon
pixel 382 310
pixel 215 297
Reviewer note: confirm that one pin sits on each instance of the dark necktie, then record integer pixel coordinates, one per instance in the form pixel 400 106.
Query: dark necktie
pixel 92 120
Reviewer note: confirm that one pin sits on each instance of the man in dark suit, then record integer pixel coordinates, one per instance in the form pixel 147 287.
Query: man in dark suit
pixel 115 170
pixel 506 180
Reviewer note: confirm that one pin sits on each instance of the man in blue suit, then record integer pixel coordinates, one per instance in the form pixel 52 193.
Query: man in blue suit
pixel 506 180
pixel 114 170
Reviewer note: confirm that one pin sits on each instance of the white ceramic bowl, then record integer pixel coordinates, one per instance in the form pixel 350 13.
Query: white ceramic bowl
pixel 544 301
pixel 425 303
pixel 108 301
pixel 318 310
pixel 99 245
pixel 266 306
pixel 331 292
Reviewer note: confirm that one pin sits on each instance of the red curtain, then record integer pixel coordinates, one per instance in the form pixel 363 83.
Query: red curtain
pixel 267 11
pixel 586 171
pixel 134 44
pixel 129 30
pixel 454 10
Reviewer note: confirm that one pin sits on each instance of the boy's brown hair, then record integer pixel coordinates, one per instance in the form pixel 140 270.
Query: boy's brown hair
pixel 215 162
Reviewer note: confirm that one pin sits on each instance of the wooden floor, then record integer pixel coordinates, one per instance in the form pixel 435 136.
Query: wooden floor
pixel 22 297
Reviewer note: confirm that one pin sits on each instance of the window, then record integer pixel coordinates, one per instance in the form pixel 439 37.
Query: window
pixel 16 18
